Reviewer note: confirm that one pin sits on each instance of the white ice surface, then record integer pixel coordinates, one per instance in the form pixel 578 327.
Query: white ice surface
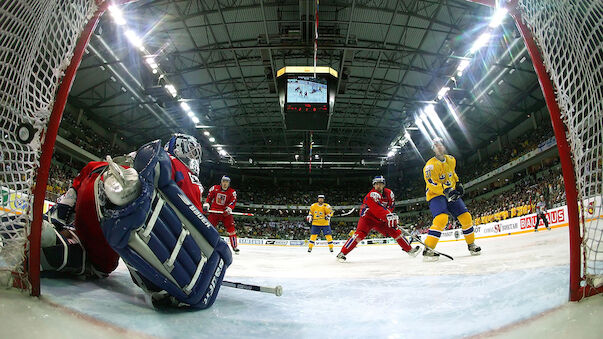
pixel 379 292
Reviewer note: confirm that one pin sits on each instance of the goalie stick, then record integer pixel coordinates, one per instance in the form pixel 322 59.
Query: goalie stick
pixel 422 243
pixel 277 290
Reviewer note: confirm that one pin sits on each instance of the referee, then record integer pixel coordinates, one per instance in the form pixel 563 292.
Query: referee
pixel 541 214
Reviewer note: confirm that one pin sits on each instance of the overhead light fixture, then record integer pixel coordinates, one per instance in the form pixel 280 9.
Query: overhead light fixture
pixel 443 92
pixel 117 15
pixel 391 153
pixel 222 152
pixel 206 133
pixel 185 106
pixel 498 17
pixel 481 41
pixel 406 134
pixel 151 62
pixel 219 148
pixel 195 120
pixel 212 139
pixel 462 66
pixel 134 39
pixel 170 88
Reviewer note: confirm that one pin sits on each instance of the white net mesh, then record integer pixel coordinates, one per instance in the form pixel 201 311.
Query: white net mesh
pixel 569 34
pixel 37 40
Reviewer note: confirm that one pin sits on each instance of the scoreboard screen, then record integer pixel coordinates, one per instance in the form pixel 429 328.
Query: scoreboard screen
pixel 306 90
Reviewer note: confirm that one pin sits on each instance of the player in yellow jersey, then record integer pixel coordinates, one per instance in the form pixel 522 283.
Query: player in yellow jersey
pixel 444 192
pixel 320 217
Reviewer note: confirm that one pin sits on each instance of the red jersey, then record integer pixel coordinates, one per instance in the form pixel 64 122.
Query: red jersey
pixel 377 205
pixel 219 199
pixel 86 223
pixel 188 182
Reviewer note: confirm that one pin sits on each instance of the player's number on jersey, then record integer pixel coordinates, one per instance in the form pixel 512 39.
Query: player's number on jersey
pixel 221 198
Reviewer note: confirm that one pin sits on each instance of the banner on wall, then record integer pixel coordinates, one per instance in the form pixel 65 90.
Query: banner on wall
pixel 17 203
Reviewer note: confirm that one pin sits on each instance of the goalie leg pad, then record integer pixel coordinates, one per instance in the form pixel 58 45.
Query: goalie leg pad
pixel 164 237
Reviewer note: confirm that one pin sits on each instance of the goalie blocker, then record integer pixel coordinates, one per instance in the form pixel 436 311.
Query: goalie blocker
pixel 172 251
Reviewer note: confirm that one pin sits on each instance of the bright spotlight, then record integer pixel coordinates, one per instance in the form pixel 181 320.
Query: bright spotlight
pixel 498 17
pixel 195 120
pixel 222 152
pixel 391 153
pixel 172 90
pixel 212 139
pixel 462 66
pixel 480 42
pixel 134 39
pixel 206 133
pixel 152 63
pixel 443 92
pixel 117 15
pixel 185 106
pixel 190 114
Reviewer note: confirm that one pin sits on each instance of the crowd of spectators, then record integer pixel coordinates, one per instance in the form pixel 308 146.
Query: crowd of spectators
pixel 85 137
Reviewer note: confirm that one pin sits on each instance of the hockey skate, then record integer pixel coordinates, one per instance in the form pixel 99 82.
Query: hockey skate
pixel 430 255
pixel 474 249
pixel 331 250
pixel 414 251
pixel 535 230
pixel 548 228
pixel 309 250
pixel 236 250
pixel 341 257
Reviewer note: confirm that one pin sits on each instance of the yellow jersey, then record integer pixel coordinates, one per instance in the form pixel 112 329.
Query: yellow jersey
pixel 439 175
pixel 319 212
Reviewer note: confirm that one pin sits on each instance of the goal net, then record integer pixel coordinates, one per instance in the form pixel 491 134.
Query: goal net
pixel 37 40
pixel 569 36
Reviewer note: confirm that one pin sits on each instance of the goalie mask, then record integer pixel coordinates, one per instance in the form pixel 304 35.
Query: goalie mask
pixel 186 149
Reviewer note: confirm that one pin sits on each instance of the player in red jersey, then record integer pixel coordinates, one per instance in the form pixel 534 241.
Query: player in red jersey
pixel 220 202
pixel 377 212
pixel 72 239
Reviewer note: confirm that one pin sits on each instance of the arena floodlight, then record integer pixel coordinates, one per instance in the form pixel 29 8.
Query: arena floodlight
pixel 117 15
pixel 455 114
pixel 391 153
pixel 185 106
pixel 190 114
pixel 206 133
pixel 133 38
pixel 498 17
pixel 462 66
pixel 170 88
pixel 481 41
pixel 443 92
pixel 195 119
pixel 212 139
pixel 222 152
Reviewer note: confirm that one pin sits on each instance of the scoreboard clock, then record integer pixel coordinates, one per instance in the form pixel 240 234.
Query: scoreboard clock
pixel 306 96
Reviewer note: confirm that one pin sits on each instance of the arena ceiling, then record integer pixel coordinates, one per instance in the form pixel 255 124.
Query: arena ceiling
pixel 393 57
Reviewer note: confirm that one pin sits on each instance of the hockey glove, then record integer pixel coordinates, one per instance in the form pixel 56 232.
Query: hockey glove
pixel 327 217
pixel 451 195
pixel 392 220
pixel 309 218
pixel 205 207
pixel 227 211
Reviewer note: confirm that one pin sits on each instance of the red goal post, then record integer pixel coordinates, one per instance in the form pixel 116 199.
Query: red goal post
pixel 540 23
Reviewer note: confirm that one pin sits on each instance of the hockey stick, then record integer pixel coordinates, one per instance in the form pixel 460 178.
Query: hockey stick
pixel 418 239
pixel 233 213
pixel 277 290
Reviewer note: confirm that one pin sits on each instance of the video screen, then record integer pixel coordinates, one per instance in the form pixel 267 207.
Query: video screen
pixel 306 90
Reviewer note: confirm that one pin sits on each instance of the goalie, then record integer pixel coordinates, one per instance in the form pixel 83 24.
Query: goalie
pixel 171 250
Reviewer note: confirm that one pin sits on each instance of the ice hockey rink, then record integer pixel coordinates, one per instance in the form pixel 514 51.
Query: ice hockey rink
pixel 518 287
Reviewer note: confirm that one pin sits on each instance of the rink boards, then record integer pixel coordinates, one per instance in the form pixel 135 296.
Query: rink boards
pixel 557 218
